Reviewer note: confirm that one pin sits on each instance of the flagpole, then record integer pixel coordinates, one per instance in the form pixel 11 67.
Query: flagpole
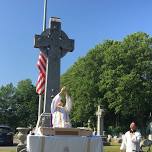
pixel 41 97
pixel 45 15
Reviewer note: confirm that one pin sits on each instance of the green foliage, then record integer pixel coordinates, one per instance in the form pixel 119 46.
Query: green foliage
pixel 18 105
pixel 7 100
pixel 115 131
pixel 116 74
pixel 126 77
pixel 27 103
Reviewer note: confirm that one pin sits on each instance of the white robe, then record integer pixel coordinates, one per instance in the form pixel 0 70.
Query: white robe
pixel 130 143
pixel 60 115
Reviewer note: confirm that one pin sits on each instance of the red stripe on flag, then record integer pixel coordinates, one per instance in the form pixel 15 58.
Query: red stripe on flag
pixel 41 64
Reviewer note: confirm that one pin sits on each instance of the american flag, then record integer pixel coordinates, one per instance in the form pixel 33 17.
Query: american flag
pixel 41 64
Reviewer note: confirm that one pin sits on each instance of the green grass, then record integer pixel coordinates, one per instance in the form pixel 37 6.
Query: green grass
pixel 116 148
pixel 7 150
pixel 112 148
pixel 106 149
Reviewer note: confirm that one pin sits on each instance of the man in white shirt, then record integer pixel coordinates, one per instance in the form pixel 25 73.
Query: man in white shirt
pixel 131 140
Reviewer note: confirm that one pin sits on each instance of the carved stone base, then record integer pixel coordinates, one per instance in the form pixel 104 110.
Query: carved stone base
pixel 47 131
pixel 44 120
pixel 20 148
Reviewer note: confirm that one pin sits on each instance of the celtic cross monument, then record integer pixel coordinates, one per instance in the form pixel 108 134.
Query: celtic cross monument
pixel 54 43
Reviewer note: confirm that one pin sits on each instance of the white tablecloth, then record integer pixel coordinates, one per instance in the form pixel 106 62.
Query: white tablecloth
pixel 64 144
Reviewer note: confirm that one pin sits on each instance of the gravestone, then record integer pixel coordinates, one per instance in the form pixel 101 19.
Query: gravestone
pixel 54 43
pixel 100 124
pixel 150 131
pixel 100 120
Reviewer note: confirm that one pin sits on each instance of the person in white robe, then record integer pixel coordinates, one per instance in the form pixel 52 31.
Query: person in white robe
pixel 131 140
pixel 60 110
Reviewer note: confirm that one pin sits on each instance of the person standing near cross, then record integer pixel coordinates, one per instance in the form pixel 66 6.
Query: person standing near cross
pixel 60 107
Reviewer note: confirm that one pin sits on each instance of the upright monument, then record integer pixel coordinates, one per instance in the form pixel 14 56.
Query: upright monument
pixel 100 118
pixel 54 43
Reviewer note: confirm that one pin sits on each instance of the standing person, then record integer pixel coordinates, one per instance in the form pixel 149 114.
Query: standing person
pixel 131 140
pixel 60 107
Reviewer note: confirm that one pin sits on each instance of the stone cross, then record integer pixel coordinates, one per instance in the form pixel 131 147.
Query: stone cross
pixel 89 123
pixel 54 43
pixel 100 115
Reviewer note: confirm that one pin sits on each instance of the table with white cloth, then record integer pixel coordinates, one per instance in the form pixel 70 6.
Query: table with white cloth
pixel 64 144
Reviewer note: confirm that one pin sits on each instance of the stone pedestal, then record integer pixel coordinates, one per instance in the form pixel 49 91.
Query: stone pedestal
pixel 63 143
pixel 47 131
pixel 22 134
pixel 44 120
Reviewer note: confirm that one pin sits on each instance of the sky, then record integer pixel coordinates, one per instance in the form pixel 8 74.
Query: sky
pixel 88 22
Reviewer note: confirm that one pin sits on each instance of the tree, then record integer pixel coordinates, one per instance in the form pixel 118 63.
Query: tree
pixel 7 99
pixel 126 78
pixel 116 74
pixel 82 80
pixel 26 104
pixel 19 105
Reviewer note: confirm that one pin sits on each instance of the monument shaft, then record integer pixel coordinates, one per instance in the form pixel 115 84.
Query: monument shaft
pixel 52 80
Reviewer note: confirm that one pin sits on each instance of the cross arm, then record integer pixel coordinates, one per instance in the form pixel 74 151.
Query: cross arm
pixel 41 41
pixel 67 45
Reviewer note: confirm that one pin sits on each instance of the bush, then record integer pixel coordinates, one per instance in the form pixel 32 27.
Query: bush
pixel 114 131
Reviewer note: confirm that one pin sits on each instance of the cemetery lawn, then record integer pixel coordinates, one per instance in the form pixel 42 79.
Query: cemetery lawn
pixel 113 147
pixel 8 150
pixel 116 148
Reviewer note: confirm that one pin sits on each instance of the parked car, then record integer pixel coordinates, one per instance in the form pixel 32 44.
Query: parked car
pixel 6 135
